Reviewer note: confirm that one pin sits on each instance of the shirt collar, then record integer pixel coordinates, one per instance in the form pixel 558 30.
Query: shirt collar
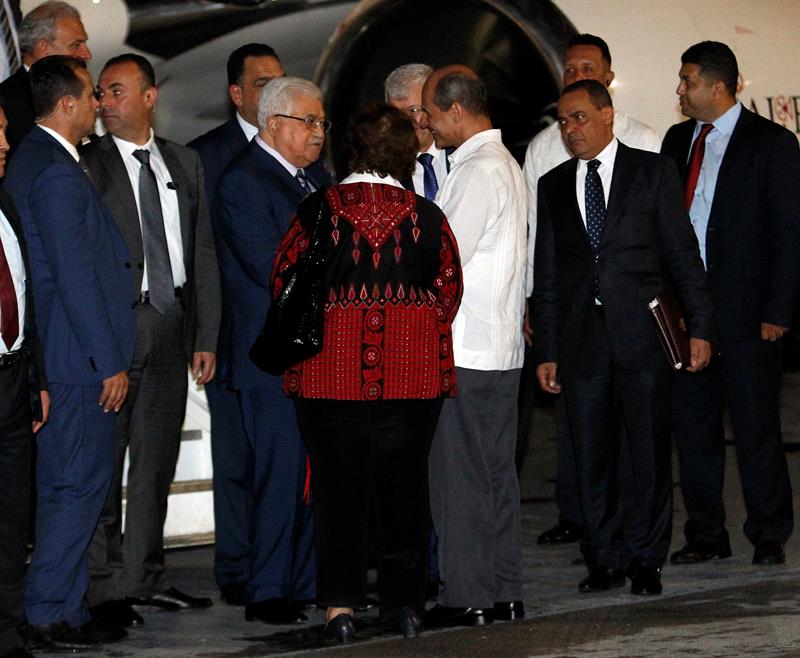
pixel 371 177
pixel 606 156
pixel 71 148
pixel 284 162
pixel 725 123
pixel 474 143
pixel 127 148
pixel 433 150
pixel 248 128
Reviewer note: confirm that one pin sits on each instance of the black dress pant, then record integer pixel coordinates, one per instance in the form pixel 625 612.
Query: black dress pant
pixel 16 442
pixel 603 405
pixel 370 455
pixel 748 375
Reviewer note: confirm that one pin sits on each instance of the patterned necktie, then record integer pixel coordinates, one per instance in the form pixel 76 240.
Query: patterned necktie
pixel 429 175
pixel 8 39
pixel 85 167
pixel 160 285
pixel 9 312
pixel 695 164
pixel 595 215
pixel 300 175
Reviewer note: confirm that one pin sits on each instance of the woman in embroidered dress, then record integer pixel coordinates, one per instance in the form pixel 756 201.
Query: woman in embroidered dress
pixel 369 401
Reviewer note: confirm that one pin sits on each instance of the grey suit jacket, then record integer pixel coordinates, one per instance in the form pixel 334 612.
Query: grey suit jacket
pixel 199 257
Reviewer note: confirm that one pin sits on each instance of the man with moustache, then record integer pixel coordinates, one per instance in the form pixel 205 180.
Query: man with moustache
pixel 741 176
pixel 587 58
pixel 80 269
pixel 598 264
pixel 155 191
pixel 403 90
pixel 256 198
pixel 250 67
pixel 473 480
pixel 24 410
pixel 52 28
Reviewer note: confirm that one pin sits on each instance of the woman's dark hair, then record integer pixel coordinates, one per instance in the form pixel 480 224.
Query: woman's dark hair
pixel 381 139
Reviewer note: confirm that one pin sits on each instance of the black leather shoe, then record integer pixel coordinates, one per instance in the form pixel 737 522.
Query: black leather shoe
pixel 63 637
pixel 769 552
pixel 695 553
pixel 647 581
pixel 563 532
pixel 172 599
pixel 119 614
pixel 340 630
pixel 275 611
pixel 408 623
pixel 233 594
pixel 601 579
pixel 509 610
pixel 441 616
pixel 19 652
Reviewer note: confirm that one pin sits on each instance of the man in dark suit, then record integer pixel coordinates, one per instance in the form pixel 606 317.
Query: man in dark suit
pixel 250 67
pixel 52 28
pixel 155 191
pixel 256 197
pixel 80 269
pixel 597 266
pixel 741 189
pixel 21 384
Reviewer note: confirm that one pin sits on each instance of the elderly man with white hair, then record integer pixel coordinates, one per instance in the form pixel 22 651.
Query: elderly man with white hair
pixel 403 89
pixel 256 198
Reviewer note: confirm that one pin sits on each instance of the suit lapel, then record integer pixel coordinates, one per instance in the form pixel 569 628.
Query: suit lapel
pixel 278 173
pixel 621 180
pixel 571 211
pixel 725 177
pixel 181 182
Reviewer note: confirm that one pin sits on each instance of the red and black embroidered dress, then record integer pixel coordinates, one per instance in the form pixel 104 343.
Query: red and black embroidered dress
pixel 393 282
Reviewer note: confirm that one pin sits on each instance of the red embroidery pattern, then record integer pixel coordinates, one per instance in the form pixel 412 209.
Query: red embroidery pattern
pixel 374 211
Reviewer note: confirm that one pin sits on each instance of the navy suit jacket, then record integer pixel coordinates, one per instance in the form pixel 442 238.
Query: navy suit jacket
pixel 217 148
pixel 79 264
pixel 753 234
pixel 18 106
pixel 255 200
pixel 647 244
pixel 201 320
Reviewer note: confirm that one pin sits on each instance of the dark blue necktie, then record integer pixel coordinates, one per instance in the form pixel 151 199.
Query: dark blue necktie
pixel 431 185
pixel 595 215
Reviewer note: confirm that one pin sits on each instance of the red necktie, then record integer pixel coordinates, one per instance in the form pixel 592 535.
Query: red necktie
pixel 695 162
pixel 9 313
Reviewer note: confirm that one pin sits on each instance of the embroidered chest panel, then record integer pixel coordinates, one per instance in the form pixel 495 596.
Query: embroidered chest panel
pixel 375 212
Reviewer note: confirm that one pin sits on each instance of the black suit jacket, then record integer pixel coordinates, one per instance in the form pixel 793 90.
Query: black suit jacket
pixel 111 179
pixel 753 235
pixel 647 242
pixel 18 106
pixel 217 148
pixel 31 337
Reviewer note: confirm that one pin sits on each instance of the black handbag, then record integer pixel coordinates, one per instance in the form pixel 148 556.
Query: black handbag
pixel 293 329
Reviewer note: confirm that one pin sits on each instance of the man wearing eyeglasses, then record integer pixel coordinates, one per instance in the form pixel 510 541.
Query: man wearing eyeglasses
pixel 255 199
pixel 403 90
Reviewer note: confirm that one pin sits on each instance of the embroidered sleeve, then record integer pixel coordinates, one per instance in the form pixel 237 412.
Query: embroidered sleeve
pixel 448 282
pixel 291 247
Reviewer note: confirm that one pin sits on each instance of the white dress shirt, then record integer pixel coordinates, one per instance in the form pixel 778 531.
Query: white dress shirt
pixel 248 128
pixel 169 202
pixel 439 168
pixel 484 200
pixel 369 177
pixel 547 150
pixel 17 268
pixel 607 157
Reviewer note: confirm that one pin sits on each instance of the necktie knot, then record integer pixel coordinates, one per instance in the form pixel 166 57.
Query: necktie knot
pixel 429 181
pixel 705 129
pixel 425 159
pixel 300 175
pixel 142 155
pixel 592 165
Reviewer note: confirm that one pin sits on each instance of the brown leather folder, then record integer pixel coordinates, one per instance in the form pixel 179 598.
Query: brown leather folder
pixel 671 329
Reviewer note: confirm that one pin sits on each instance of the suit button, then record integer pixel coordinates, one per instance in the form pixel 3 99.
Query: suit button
pixel 596 258
pixel 127 266
pixel 140 265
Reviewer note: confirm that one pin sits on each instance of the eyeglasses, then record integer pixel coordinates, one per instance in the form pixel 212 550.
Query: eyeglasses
pixel 310 123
